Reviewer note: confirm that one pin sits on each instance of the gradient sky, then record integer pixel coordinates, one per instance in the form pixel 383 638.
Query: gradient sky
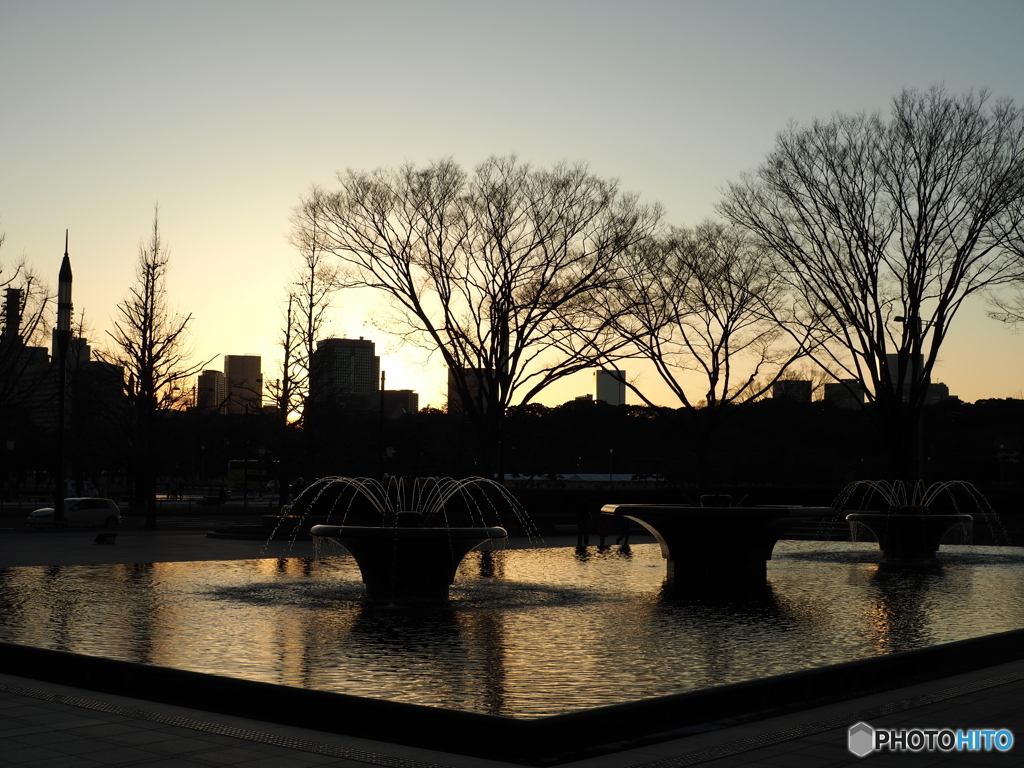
pixel 225 112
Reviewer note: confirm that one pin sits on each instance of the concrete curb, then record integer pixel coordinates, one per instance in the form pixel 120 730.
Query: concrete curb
pixel 540 741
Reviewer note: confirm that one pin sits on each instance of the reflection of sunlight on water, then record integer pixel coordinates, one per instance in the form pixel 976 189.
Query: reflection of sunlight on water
pixel 526 633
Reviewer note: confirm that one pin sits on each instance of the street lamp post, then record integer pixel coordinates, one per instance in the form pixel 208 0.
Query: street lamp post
pixel 63 338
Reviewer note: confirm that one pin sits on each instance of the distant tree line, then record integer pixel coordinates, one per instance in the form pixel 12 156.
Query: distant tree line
pixel 771 443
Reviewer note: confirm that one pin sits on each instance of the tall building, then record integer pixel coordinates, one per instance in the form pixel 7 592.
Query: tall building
pixel 610 386
pixel 937 393
pixel 914 364
pixel 212 392
pixel 11 330
pixel 848 393
pixel 794 390
pixel 399 402
pixel 346 373
pixel 474 379
pixel 244 382
pixel 79 352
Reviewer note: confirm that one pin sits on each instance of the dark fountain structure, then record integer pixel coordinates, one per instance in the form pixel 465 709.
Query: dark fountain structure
pixel 409 561
pixel 422 531
pixel 716 548
pixel 907 528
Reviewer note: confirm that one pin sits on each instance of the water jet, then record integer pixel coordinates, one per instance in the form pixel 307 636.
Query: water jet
pixel 424 529
pixel 909 530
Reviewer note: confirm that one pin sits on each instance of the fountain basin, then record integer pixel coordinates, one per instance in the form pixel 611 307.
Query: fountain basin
pixel 407 564
pixel 712 549
pixel 544 632
pixel 909 536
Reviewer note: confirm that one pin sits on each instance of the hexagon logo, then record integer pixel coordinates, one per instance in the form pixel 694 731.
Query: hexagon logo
pixel 860 739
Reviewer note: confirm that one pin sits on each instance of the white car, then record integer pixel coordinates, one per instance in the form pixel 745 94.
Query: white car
pixel 80 513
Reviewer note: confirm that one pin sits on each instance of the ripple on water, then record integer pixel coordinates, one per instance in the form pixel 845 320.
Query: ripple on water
pixel 525 633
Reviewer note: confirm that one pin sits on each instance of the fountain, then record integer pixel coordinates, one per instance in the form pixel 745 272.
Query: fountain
pixel 423 530
pixel 909 530
pixel 539 657
pixel 717 547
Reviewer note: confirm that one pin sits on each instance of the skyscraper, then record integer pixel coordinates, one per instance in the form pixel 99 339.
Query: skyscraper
pixel 399 402
pixel 244 382
pixel 474 379
pixel 915 365
pixel 11 331
pixel 610 386
pixel 794 390
pixel 346 373
pixel 847 393
pixel 212 392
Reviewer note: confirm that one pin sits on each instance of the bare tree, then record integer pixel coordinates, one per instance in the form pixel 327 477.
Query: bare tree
pixel 289 395
pixel 25 371
pixel 286 392
pixel 310 296
pixel 883 228
pixel 25 315
pixel 494 270
pixel 700 306
pixel 1008 309
pixel 149 344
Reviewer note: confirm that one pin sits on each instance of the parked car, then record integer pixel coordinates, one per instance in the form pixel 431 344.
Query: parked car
pixel 80 513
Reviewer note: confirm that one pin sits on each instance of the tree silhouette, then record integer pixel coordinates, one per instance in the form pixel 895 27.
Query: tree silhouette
pixel 149 346
pixel 311 295
pixel 700 305
pixel 25 313
pixel 495 270
pixel 882 228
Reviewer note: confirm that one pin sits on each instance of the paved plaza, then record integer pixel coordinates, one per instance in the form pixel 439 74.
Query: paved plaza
pixel 45 725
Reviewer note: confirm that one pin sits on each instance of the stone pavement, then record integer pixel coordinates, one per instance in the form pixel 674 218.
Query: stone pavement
pixel 44 725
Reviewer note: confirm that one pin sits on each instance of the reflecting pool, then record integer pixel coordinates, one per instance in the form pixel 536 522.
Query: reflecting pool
pixel 526 633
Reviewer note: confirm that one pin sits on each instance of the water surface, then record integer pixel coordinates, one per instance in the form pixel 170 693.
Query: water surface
pixel 526 633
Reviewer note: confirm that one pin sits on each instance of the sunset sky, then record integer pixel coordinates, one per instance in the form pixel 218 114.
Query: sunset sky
pixel 224 113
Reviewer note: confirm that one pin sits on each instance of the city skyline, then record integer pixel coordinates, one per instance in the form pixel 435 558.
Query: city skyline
pixel 225 115
pixel 346 374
